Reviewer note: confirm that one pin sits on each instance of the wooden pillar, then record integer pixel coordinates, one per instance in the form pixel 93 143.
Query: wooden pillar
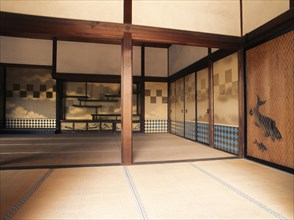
pixel 126 100
pixel 211 99
pixel 142 83
pixel 241 94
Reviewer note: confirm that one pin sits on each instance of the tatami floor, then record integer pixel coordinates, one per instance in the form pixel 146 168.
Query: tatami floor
pixel 218 189
pixel 92 149
pixel 216 185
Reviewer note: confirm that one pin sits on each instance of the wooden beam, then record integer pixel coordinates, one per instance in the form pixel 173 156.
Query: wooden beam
pixel 268 31
pixel 291 3
pixel 126 100
pixel 241 94
pixel 54 56
pixel 211 99
pixel 19 25
pixel 241 18
pixel 128 11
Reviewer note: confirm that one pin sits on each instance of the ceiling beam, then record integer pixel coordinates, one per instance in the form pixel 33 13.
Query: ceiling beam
pixel 19 25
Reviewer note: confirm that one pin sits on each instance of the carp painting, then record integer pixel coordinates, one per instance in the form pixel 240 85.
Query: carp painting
pixel 270 101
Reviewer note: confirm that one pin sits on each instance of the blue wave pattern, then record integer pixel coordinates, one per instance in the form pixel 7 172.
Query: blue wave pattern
pixel 226 138
pixel 155 126
pixel 190 130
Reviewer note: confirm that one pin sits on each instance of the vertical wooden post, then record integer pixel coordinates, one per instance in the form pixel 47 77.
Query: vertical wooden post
pixel 126 99
pixel 241 94
pixel 211 99
pixel 128 11
pixel 142 81
pixel 59 91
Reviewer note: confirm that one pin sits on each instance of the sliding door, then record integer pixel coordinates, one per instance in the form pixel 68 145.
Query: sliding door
pixel 180 129
pixel 172 109
pixel 190 106
pixel 202 127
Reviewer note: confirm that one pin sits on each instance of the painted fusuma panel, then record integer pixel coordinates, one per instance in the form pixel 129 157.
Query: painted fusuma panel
pixel 30 98
pixel 270 100
pixel 225 81
pixel 155 107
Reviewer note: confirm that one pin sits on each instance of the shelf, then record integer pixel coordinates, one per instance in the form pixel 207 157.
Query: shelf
pixel 87 106
pixel 96 100
pixel 76 96
pixel 112 95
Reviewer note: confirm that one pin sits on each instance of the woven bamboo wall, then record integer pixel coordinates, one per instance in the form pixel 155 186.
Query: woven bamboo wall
pixel 270 124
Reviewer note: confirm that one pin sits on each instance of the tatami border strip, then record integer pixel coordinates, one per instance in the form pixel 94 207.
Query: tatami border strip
pixel 135 193
pixel 244 195
pixel 26 196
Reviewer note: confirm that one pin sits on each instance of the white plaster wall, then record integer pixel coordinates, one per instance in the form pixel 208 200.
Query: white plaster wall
pixel 182 56
pixel 220 17
pixel 258 12
pixel 97 10
pixel 156 63
pixel 89 58
pixel 25 51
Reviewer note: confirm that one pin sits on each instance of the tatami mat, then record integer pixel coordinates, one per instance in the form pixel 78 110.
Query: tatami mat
pixel 224 189
pixel 179 191
pixel 82 193
pixel 14 184
pixel 168 147
pixel 269 186
pixel 90 149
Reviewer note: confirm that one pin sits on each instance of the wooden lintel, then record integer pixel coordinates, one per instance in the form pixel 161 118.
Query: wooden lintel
pixel 126 100
pixel 19 25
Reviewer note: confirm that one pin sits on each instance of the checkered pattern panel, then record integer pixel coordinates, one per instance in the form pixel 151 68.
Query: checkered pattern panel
pixel 155 126
pixel 190 130
pixel 173 127
pixel 180 126
pixel 226 138
pixel 31 91
pixel 30 123
pixel 228 86
pixel 157 98
pixel 203 132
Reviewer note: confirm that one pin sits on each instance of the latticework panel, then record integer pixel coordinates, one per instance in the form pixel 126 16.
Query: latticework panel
pixel 270 100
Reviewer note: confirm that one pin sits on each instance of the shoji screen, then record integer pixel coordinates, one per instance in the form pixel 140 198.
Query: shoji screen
pixel 202 106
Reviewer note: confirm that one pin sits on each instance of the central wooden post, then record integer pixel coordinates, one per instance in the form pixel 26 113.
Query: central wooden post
pixel 126 100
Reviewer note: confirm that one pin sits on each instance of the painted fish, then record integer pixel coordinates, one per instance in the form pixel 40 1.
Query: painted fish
pixel 265 123
pixel 260 145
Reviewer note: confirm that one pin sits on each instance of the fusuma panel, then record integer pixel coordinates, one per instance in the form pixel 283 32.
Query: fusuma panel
pixel 156 101
pixel 30 98
pixel 190 122
pixel 202 125
pixel 172 98
pixel 225 82
pixel 270 100
pixel 180 98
